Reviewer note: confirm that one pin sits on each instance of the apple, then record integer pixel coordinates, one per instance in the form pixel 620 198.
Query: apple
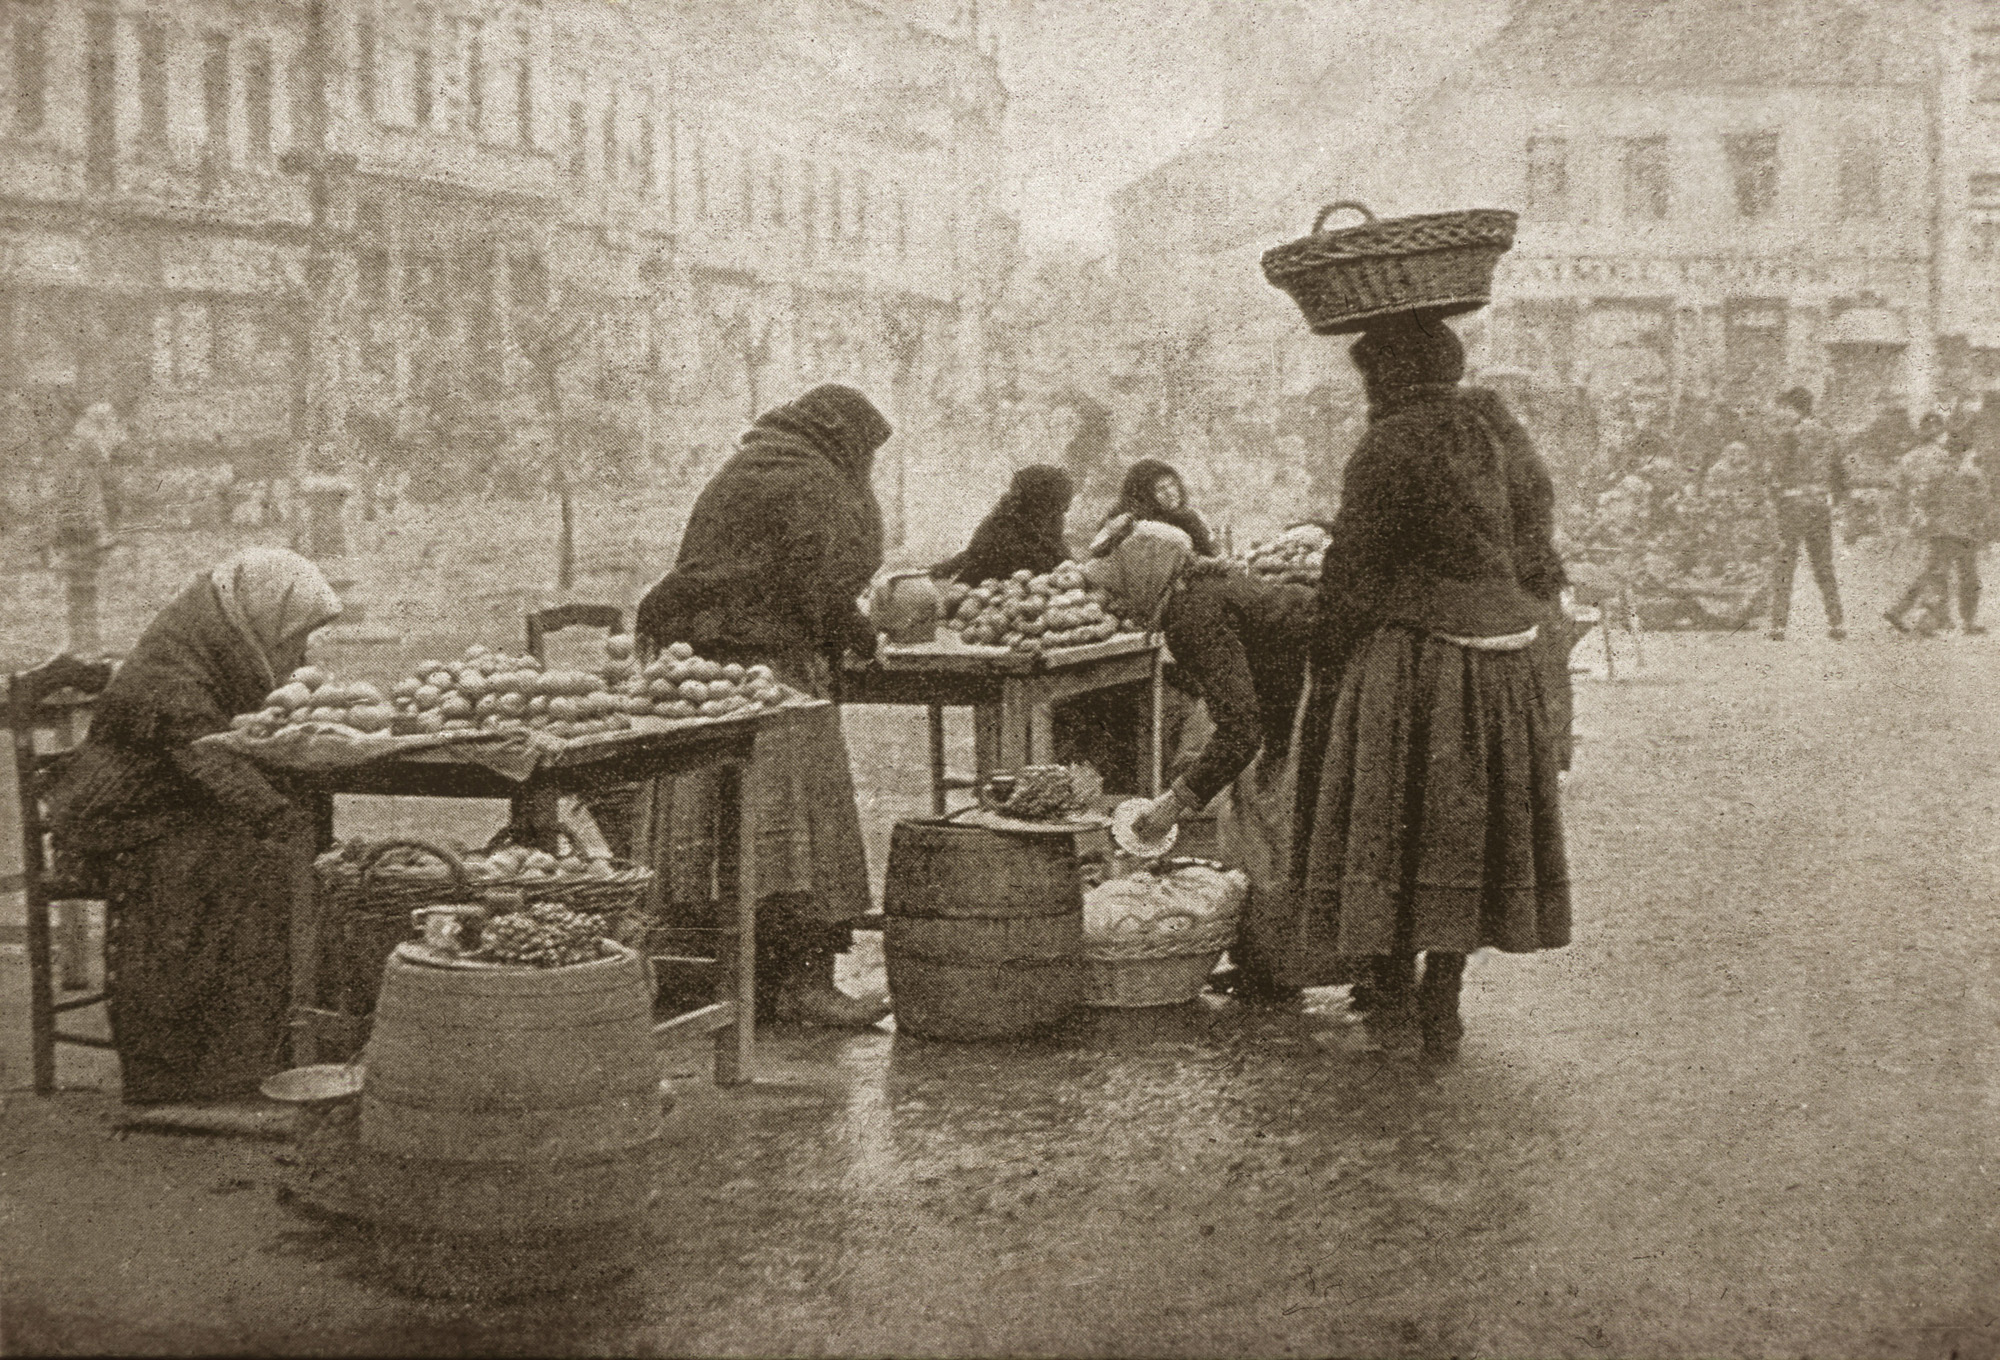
pixel 312 677
pixel 563 709
pixel 618 646
pixel 289 696
pixel 513 704
pixel 455 706
pixel 487 707
pixel 370 717
pixel 680 651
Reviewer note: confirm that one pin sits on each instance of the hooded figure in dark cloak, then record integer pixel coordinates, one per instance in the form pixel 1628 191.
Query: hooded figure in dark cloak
pixel 1023 532
pixel 777 551
pixel 1156 491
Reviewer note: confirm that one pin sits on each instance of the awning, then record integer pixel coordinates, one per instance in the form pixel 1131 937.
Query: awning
pixel 1867 326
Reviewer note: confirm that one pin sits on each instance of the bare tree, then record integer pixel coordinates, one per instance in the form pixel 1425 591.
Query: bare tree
pixel 549 342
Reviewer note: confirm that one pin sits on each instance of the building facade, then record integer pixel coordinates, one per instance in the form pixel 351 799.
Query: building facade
pixel 341 225
pixel 1717 200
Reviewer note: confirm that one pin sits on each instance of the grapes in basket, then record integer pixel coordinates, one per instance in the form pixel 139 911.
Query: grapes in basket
pixel 543 936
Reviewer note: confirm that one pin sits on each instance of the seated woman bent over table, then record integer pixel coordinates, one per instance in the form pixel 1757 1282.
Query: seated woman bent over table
pixel 190 844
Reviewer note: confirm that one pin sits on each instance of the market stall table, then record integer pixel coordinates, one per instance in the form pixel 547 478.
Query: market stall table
pixel 1010 694
pixel 578 768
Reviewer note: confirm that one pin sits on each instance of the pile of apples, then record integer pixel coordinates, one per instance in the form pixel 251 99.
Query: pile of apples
pixel 1292 558
pixel 679 684
pixel 1031 613
pixel 494 691
pixel 516 862
pixel 311 696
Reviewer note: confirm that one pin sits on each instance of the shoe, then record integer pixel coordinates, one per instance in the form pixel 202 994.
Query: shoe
pixel 1776 635
pixel 1975 630
pixel 1895 620
pixel 1251 988
pixel 1837 633
pixel 1437 1003
pixel 807 996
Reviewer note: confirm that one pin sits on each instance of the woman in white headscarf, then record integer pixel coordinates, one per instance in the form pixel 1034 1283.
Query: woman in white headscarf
pixel 187 842
pixel 1241 645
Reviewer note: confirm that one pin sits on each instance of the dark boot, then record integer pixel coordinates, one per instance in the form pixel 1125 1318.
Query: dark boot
pixel 1389 1017
pixel 1381 975
pixel 1437 1002
pixel 804 994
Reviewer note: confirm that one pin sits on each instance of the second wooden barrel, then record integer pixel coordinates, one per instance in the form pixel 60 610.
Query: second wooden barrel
pixel 511 1103
pixel 984 936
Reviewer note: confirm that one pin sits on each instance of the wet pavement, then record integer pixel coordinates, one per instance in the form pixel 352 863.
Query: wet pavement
pixel 1751 1111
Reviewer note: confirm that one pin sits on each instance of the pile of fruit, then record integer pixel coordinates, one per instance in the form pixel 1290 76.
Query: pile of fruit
pixel 1051 793
pixel 497 692
pixel 1292 558
pixel 518 862
pixel 311 696
pixel 543 936
pixel 1031 613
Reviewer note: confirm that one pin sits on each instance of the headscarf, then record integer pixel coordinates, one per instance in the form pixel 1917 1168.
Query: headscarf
pixel 838 422
pixel 1137 498
pixel 1136 567
pixel 270 597
pixel 1405 351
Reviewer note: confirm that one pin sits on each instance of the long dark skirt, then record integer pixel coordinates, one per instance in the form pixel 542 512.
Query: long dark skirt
pixel 812 863
pixel 199 962
pixel 1438 822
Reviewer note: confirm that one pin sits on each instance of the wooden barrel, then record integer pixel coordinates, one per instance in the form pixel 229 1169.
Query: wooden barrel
pixel 510 1104
pixel 984 936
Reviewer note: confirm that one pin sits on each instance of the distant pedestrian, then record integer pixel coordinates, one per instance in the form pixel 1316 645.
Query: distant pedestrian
pixel 1807 480
pixel 1947 499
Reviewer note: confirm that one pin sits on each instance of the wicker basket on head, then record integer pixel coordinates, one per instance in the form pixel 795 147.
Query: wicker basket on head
pixel 1440 264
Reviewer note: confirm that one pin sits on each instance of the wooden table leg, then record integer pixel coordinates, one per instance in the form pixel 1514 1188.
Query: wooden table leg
pixel 305 937
pixel 937 759
pixel 735 1047
pixel 1016 746
pixel 1157 690
pixel 536 821
pixel 986 743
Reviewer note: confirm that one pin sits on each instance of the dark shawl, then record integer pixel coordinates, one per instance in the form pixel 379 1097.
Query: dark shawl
pixel 1135 498
pixel 137 776
pixel 1446 518
pixel 1024 531
pixel 782 541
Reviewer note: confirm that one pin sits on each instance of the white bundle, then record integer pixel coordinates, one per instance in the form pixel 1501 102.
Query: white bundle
pixel 1187 898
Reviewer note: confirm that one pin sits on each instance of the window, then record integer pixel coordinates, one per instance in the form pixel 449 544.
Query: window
pixel 1986 66
pixel 475 75
pixel 527 284
pixel 1548 178
pixel 774 182
pixel 215 96
pixel 1861 177
pixel 861 206
pixel 611 142
pixel 836 207
pixel 745 194
pixel 1648 183
pixel 524 93
pixel 646 154
pixel 421 74
pixel 299 99
pixel 1984 190
pixel 31 68
pixel 191 344
pixel 1753 171
pixel 902 223
pixel 152 84
pixel 365 58
pixel 579 138
pixel 1982 239
pixel 257 98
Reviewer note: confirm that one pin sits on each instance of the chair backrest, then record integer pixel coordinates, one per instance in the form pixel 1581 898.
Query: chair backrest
pixel 554 619
pixel 56 699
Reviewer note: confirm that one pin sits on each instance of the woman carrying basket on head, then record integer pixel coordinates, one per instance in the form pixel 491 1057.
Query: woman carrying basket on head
pixel 1428 819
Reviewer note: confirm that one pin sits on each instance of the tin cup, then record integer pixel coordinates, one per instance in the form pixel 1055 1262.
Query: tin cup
pixel 443 927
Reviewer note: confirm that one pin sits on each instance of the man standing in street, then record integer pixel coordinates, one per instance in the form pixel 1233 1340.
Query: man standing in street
pixel 1946 498
pixel 1807 481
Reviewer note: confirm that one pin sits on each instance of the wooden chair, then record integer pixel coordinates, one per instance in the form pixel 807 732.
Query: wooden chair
pixel 542 622
pixel 54 699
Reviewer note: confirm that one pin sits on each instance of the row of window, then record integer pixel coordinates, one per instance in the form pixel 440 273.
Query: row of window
pixel 397 85
pixel 1646 182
